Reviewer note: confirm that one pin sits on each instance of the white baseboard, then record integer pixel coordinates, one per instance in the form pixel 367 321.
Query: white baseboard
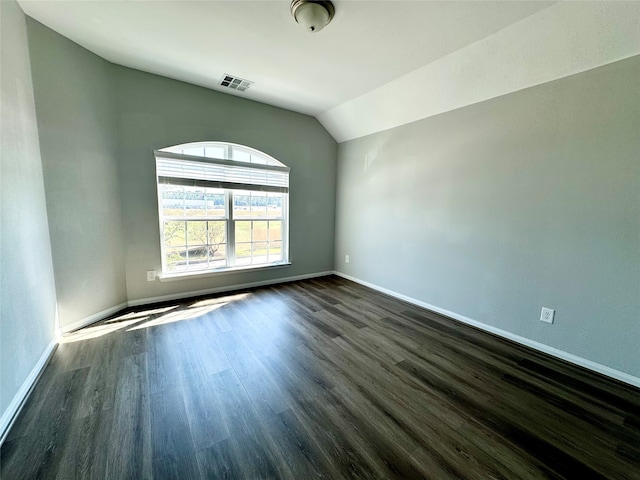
pixel 96 317
pixel 226 288
pixel 179 296
pixel 20 398
pixel 11 413
pixel 555 352
pixel 93 318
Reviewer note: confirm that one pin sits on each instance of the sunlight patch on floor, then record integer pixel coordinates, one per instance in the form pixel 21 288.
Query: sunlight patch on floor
pixel 224 300
pixel 178 316
pixel 138 315
pixel 95 332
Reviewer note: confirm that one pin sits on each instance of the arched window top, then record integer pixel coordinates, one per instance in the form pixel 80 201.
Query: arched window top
pixel 224 151
pixel 221 207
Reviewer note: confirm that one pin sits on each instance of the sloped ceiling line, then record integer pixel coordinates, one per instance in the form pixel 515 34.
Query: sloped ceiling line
pixel 565 39
pixel 379 65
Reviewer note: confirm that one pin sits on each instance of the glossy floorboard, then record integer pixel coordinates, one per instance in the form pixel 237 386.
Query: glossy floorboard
pixel 315 379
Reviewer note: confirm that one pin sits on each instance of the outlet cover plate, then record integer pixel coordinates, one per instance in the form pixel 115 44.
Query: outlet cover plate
pixel 151 275
pixel 547 315
pixel 346 259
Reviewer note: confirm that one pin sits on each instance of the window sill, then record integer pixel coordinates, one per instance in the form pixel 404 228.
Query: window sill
pixel 172 277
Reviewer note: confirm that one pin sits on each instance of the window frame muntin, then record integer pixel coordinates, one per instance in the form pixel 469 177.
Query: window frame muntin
pixel 230 245
pixel 228 152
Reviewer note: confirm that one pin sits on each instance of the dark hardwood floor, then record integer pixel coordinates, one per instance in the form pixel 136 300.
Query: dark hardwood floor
pixel 315 379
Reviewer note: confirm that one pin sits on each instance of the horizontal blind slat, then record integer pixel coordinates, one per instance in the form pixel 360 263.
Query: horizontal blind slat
pixel 216 174
pixel 193 182
pixel 159 154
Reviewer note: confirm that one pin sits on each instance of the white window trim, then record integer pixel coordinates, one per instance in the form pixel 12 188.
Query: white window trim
pixel 228 219
pixel 194 274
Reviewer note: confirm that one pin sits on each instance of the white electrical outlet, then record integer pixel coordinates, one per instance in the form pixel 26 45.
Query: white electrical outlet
pixel 547 315
pixel 346 259
pixel 151 275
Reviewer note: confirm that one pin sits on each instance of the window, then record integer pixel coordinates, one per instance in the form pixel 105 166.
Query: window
pixel 221 207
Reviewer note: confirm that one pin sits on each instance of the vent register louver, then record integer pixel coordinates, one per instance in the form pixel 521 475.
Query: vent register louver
pixel 236 83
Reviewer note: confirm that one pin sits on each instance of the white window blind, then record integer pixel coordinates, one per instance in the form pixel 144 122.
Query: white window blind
pixel 187 170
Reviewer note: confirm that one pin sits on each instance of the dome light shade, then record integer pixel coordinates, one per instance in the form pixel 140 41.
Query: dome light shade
pixel 312 15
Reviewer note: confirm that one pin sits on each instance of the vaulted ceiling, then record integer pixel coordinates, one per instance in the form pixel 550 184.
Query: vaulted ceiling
pixel 378 64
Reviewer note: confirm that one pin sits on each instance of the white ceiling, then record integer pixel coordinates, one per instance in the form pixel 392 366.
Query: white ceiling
pixel 564 39
pixel 369 45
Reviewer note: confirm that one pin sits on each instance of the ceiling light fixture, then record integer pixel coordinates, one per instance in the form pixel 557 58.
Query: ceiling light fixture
pixel 312 15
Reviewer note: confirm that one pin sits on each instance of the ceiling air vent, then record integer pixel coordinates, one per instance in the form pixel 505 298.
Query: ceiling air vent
pixel 236 83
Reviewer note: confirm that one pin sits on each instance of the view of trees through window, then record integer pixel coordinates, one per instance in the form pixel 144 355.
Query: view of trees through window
pixel 196 224
pixel 211 228
pixel 206 228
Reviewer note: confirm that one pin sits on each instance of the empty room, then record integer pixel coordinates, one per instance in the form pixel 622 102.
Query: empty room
pixel 320 239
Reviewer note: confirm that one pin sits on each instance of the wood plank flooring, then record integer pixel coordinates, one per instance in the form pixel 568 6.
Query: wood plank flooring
pixel 315 379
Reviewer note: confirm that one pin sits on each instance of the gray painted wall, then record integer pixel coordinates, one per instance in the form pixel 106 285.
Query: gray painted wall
pixel 75 104
pixel 495 210
pixel 27 288
pixel 156 112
